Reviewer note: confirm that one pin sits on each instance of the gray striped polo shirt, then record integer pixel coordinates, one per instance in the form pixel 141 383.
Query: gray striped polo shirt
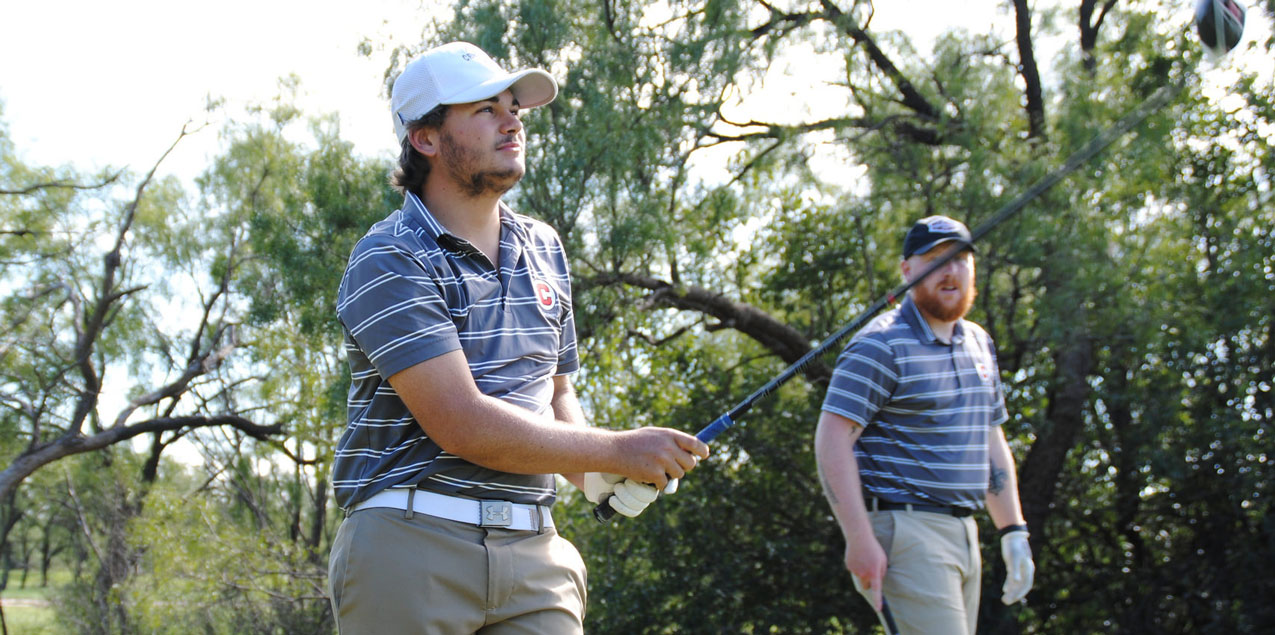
pixel 927 408
pixel 411 292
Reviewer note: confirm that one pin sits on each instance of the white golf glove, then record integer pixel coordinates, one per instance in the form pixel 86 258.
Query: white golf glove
pixel 599 485
pixel 1019 568
pixel 631 497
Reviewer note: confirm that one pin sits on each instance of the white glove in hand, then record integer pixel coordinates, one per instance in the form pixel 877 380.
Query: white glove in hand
pixel 632 497
pixel 1019 568
pixel 599 485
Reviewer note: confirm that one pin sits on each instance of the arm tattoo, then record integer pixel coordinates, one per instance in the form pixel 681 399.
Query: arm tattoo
pixel 827 488
pixel 996 484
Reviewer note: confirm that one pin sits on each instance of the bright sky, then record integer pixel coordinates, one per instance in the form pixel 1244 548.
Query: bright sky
pixel 96 83
pixel 110 82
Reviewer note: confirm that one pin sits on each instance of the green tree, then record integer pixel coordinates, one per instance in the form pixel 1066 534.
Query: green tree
pixel 264 514
pixel 117 326
pixel 245 275
pixel 89 281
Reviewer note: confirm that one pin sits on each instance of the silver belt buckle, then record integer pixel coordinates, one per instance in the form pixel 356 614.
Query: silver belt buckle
pixel 496 514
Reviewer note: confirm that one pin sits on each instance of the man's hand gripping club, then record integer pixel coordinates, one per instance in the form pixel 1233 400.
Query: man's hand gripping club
pixel 629 496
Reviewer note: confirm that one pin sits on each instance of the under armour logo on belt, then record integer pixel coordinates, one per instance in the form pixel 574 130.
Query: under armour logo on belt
pixel 497 514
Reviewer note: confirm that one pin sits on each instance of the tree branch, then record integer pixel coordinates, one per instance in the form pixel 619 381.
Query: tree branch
pixel 900 123
pixel 95 321
pixel 49 185
pixel 1029 71
pixel 775 336
pixel 1089 26
pixel 73 443
pixel 781 23
pixel 649 339
pixel 912 98
pixel 80 517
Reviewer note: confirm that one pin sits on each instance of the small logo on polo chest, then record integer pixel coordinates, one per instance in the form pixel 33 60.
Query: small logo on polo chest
pixel 545 295
pixel 984 371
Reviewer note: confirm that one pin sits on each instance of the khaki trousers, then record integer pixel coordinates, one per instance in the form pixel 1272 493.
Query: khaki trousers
pixel 391 571
pixel 932 585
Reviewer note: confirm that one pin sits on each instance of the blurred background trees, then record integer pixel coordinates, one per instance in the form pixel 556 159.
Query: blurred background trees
pixel 722 218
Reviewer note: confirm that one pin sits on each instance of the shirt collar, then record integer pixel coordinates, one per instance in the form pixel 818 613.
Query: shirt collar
pixel 415 213
pixel 921 327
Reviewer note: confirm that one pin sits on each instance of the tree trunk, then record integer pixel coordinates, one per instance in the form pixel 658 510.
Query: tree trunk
pixel 319 518
pixel 1068 399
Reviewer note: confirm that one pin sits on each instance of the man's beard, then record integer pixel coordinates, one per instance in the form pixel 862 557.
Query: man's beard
pixel 462 162
pixel 932 305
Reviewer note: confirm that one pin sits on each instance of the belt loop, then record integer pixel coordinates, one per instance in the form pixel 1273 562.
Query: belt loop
pixel 540 520
pixel 411 500
pixel 876 503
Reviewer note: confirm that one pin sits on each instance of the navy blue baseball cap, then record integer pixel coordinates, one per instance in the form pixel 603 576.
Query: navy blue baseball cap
pixel 932 231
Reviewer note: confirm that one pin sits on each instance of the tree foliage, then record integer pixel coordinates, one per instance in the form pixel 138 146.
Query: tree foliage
pixel 206 320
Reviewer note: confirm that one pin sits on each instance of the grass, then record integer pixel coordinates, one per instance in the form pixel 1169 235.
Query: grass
pixel 30 620
pixel 32 615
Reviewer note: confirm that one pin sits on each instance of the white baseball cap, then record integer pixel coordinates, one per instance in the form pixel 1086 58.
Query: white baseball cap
pixel 460 73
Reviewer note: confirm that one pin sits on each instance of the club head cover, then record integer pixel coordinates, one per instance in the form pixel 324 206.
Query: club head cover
pixel 1220 25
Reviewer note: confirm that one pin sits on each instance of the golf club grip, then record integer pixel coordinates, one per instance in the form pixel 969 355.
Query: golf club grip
pixel 715 428
pixel 603 511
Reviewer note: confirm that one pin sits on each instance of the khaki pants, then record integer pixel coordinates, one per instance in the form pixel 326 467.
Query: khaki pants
pixel 933 581
pixel 389 573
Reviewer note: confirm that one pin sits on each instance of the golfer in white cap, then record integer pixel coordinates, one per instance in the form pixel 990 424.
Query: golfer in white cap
pixel 461 341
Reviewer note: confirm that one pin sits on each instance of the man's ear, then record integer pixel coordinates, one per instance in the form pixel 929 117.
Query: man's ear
pixel 905 268
pixel 425 140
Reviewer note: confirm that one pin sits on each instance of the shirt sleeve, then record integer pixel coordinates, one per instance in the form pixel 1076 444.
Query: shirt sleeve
pixel 568 354
pixel 1000 414
pixel 863 380
pixel 393 308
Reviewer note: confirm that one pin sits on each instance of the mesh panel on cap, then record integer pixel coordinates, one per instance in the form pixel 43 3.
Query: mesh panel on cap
pixel 420 87
pixel 416 86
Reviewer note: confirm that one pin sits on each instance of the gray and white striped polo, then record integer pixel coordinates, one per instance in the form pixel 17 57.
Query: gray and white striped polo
pixel 927 408
pixel 411 292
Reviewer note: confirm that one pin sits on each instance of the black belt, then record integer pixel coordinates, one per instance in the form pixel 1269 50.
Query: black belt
pixel 876 504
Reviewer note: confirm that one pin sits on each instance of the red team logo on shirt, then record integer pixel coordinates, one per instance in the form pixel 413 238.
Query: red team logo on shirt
pixel 984 371
pixel 544 295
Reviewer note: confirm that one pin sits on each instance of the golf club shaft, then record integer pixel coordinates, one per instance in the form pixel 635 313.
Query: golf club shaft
pixel 604 512
pixel 890 627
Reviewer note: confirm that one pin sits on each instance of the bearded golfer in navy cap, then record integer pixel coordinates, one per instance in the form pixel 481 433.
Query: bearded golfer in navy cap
pixel 909 446
pixel 461 345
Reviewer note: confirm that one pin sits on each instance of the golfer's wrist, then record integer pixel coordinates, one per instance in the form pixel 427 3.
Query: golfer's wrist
pixel 856 529
pixel 1009 529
